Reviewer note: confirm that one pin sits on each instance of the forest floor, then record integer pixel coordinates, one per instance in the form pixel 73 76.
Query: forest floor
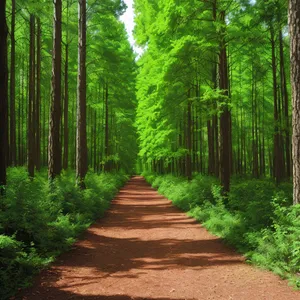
pixel 145 248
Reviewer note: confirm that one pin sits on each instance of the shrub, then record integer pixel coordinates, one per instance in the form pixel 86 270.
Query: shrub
pixel 38 221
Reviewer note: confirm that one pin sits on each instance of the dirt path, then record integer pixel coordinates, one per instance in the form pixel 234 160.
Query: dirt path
pixel 147 249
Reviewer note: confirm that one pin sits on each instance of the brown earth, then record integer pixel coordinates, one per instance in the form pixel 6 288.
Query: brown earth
pixel 147 249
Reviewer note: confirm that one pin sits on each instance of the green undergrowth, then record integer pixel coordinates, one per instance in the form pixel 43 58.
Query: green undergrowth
pixel 38 221
pixel 257 218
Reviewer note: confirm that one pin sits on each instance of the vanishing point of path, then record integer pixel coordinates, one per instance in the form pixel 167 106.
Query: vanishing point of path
pixel 147 249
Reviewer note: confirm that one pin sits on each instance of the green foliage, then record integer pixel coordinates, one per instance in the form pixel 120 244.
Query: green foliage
pixel 257 218
pixel 182 46
pixel 38 221
pixel 186 195
pixel 252 200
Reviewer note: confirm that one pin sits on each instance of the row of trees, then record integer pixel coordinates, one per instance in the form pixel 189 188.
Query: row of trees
pixel 213 88
pixel 91 88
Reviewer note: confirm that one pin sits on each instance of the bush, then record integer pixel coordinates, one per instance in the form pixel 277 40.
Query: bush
pixel 184 194
pixel 38 221
pixel 252 199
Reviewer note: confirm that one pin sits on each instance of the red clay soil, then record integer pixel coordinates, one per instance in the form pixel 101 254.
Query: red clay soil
pixel 147 249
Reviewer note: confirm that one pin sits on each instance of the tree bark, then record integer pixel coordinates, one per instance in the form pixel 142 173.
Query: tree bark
pixel 81 159
pixel 286 107
pixel 106 143
pixel 66 111
pixel 38 98
pixel 3 94
pixel 54 148
pixel 211 130
pixel 31 105
pixel 95 141
pixel 12 135
pixel 20 114
pixel 276 157
pixel 255 171
pixel 189 138
pixel 294 28
pixel 225 114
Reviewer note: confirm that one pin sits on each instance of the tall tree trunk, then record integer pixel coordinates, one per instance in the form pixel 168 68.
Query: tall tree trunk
pixel 211 129
pixel 95 140
pixel 215 130
pixel 106 142
pixel 13 151
pixel 217 142
pixel 31 106
pixel 3 94
pixel 210 148
pixel 20 114
pixel 73 135
pixel 90 129
pixel 54 148
pixel 286 107
pixel 255 172
pixel 276 157
pixel 189 138
pixel 44 136
pixel 225 114
pixel 294 26
pixel 38 98
pixel 66 111
pixel 81 158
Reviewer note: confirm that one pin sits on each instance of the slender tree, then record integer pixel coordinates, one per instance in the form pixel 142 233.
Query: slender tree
pixel 285 96
pixel 3 94
pixel 189 138
pixel 38 97
pixel 66 111
pixel 225 161
pixel 106 144
pixel 31 104
pixel 294 28
pixel 12 127
pixel 54 148
pixel 81 154
pixel 66 97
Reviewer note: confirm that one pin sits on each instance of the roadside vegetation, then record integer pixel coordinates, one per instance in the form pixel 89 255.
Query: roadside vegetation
pixel 38 221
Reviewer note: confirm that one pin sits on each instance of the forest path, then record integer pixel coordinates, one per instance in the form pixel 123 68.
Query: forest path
pixel 147 249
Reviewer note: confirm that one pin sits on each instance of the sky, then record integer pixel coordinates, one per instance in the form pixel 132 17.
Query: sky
pixel 128 19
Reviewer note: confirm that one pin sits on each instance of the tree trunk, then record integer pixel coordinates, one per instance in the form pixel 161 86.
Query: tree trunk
pixel 106 142
pixel 66 111
pixel 44 136
pixel 38 98
pixel 81 158
pixel 54 148
pixel 255 171
pixel 286 107
pixel 276 157
pixel 294 26
pixel 4 94
pixel 95 140
pixel 189 138
pixel 31 106
pixel 225 115
pixel 215 128
pixel 211 129
pixel 12 151
pixel 20 114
